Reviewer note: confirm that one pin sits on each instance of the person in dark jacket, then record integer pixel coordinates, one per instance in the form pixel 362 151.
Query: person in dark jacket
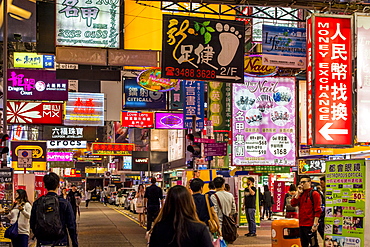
pixel 290 212
pixel 177 224
pixel 153 198
pixel 267 202
pixel 67 216
pixel 309 211
pixel 72 195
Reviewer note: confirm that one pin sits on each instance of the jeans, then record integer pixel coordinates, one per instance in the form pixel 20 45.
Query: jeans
pixel 87 203
pixel 267 211
pixel 250 212
pixel 20 241
pixel 306 240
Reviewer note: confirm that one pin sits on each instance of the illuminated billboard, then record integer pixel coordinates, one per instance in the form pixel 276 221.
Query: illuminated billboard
pixel 88 23
pixel 84 109
pixel 32 60
pixel 166 120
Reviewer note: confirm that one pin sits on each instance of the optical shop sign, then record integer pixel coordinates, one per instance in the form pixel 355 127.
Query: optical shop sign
pixel 264 121
pixel 88 23
pixel 345 202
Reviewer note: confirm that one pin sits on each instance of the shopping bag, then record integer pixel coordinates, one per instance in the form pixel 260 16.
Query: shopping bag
pixel 219 242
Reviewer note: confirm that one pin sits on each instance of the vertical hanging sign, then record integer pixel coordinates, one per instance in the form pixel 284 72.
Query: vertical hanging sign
pixel 332 80
pixel 194 103
pixel 309 81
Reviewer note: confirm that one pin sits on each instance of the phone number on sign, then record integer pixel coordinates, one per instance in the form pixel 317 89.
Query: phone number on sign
pixel 198 73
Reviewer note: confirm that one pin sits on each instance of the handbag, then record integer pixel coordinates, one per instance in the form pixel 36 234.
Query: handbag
pixel 212 224
pixel 12 231
pixel 219 242
pixel 229 228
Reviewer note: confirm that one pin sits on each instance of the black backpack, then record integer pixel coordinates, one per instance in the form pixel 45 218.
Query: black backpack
pixel 48 226
pixel 229 228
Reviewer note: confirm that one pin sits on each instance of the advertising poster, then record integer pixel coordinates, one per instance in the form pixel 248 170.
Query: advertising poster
pixel 88 23
pixel 34 112
pixel 6 199
pixel 363 78
pixel 38 154
pixel 202 49
pixel 193 103
pixel 40 189
pixel 264 121
pixel 135 119
pixel 84 109
pixel 332 81
pixel 284 46
pixel 345 203
pixel 137 97
pixel 26 84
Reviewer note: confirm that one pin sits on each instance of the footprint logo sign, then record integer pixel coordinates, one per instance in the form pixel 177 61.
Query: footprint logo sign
pixel 202 49
pixel 229 40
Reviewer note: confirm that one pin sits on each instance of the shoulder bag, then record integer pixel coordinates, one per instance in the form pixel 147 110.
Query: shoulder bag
pixel 212 224
pixel 12 231
pixel 229 228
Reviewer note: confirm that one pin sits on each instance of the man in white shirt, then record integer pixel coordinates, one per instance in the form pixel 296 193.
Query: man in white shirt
pixel 226 199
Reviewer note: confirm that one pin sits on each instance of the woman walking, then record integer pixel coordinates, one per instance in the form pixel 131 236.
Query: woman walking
pixel 21 211
pixel 177 224
pixel 267 200
pixel 140 204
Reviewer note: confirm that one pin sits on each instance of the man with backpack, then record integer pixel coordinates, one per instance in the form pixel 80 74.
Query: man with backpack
pixel 309 203
pixel 51 216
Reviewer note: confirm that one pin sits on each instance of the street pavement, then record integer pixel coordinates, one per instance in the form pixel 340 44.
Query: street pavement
pixel 114 227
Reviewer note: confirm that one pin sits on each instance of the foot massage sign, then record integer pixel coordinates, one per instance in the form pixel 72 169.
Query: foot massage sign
pixel 202 49
pixel 345 203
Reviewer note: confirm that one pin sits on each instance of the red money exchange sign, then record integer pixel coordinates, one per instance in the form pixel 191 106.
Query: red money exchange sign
pixel 332 80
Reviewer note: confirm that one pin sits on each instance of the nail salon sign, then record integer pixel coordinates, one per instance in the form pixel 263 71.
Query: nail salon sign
pixel 202 49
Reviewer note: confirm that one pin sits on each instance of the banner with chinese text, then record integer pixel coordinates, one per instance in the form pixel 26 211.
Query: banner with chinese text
pixel 193 103
pixel 345 202
pixel 332 80
pixel 264 121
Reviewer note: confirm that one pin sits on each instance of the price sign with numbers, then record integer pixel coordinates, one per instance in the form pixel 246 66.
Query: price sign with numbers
pixel 345 201
pixel 264 121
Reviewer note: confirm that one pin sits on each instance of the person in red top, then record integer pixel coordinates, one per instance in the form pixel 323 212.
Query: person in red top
pixel 309 212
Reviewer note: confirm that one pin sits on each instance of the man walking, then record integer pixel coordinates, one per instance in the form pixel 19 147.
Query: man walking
pixel 73 194
pixel 226 200
pixel 309 212
pixel 250 207
pixel 153 199
pixel 57 223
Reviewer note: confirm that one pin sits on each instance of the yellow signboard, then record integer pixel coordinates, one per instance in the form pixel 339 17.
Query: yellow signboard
pixel 33 60
pixel 101 169
pixel 90 169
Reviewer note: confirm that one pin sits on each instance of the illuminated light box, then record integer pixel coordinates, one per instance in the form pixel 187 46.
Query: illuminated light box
pixel 136 119
pixel 151 79
pixel 165 120
pixel 32 60
pixel 84 109
pixel 117 149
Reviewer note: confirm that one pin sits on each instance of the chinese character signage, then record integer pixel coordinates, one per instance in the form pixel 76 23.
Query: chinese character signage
pixel 85 109
pixel 345 202
pixel 136 119
pixel 202 49
pixel 34 113
pixel 284 46
pixel 137 97
pixel 117 149
pixel 59 156
pixel 219 109
pixel 88 23
pixel 279 196
pixel 363 78
pixel 72 173
pixel 309 72
pixel 151 79
pixel 127 162
pixel 215 149
pixel 68 132
pixel 33 60
pixel 193 103
pixel 36 85
pixel 176 97
pixel 6 198
pixel 38 154
pixel 332 81
pixel 166 120
pixel 264 121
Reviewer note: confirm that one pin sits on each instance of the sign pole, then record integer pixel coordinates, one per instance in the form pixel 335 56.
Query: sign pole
pixel 5 71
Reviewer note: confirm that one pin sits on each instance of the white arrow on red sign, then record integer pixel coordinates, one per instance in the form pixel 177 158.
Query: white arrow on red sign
pixel 326 132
